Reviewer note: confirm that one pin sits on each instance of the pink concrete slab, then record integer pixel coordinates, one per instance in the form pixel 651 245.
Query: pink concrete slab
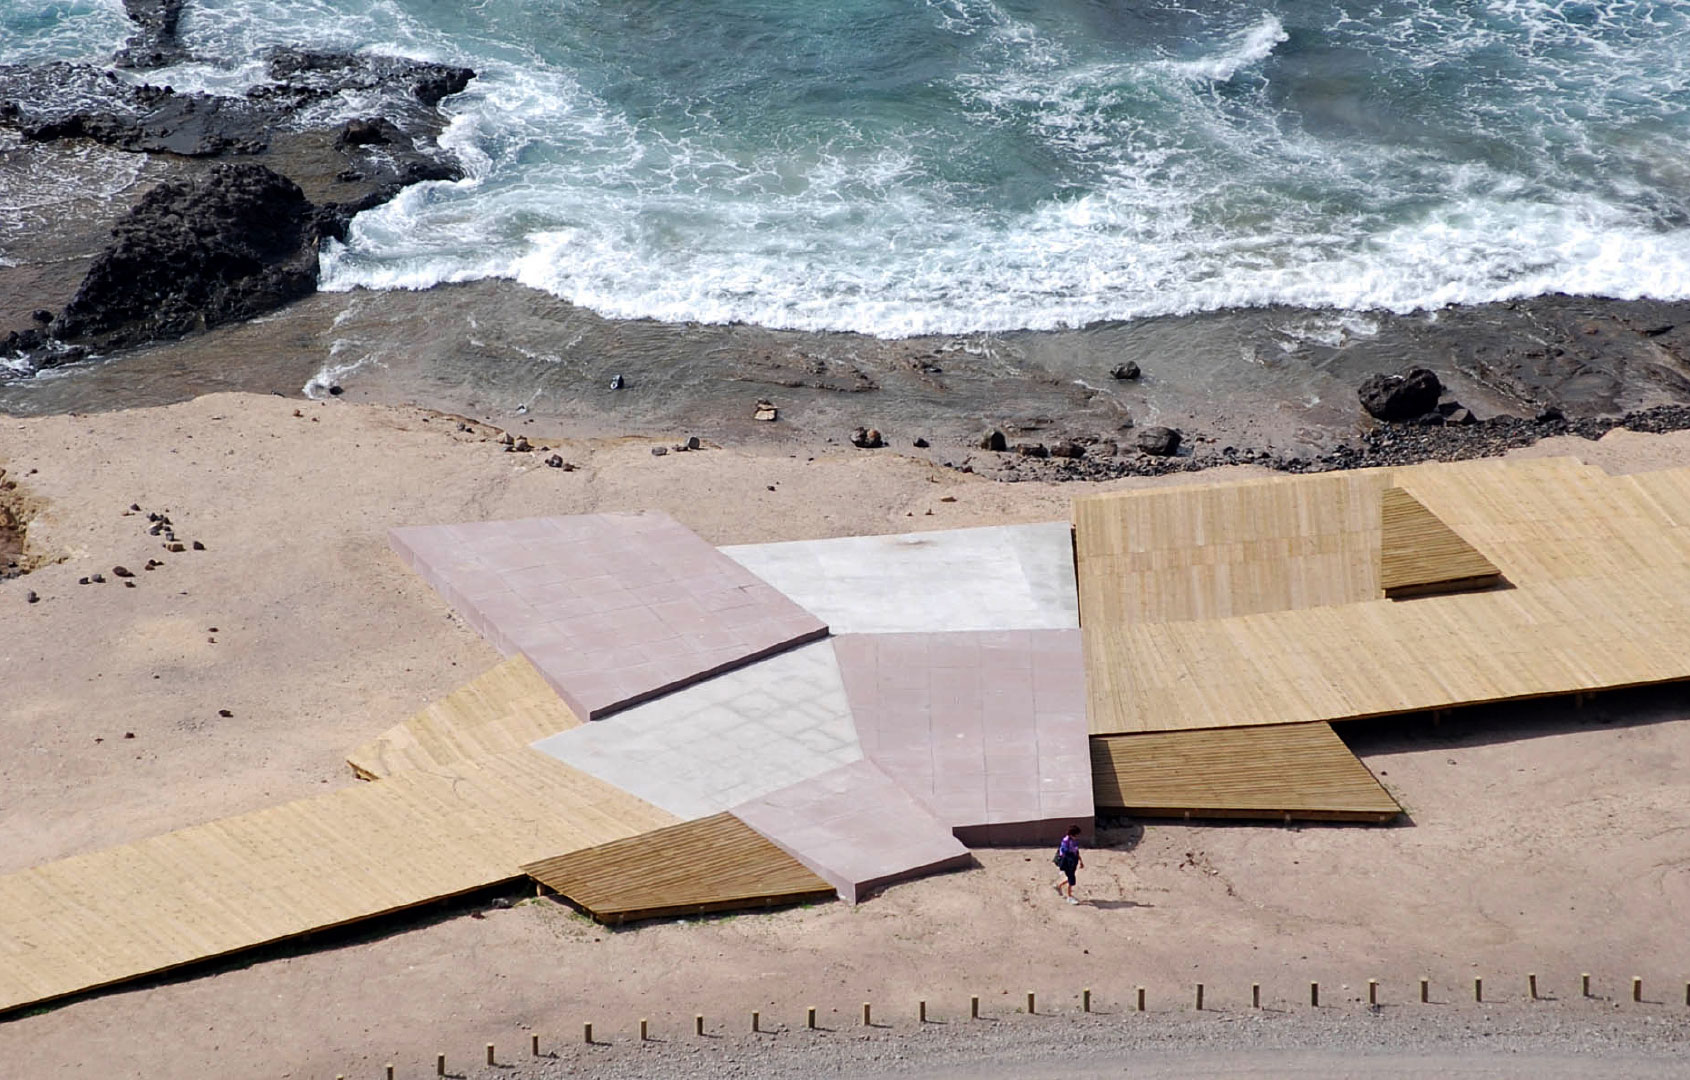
pixel 613 609
pixel 856 829
pixel 1002 714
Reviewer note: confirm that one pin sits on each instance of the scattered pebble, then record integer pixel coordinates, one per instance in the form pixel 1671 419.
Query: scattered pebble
pixel 198 546
pixel 122 571
pixel 659 451
pixel 225 713
pixel 30 597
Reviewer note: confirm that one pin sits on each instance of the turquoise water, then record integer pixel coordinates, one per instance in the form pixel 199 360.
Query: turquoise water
pixel 953 165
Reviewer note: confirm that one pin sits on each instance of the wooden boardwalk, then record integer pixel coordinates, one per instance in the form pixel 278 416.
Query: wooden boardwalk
pixel 1420 555
pixel 1238 630
pixel 717 863
pixel 506 709
pixel 1301 771
pixel 209 890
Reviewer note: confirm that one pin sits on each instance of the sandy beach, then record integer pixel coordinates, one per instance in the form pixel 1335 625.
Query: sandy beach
pixel 1540 838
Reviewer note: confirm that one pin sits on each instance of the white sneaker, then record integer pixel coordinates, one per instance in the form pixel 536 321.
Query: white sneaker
pixel 1071 900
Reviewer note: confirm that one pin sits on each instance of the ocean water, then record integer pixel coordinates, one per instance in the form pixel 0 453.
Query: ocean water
pixel 897 167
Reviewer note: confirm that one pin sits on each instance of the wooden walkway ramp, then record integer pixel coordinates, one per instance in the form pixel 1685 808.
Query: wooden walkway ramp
pixel 1301 771
pixel 718 863
pixel 506 709
pixel 206 891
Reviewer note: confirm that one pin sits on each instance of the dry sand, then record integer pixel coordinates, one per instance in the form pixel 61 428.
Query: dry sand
pixel 1543 838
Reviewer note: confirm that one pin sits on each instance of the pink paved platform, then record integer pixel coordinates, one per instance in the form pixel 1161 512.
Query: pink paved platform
pixel 988 728
pixel 613 609
pixel 855 829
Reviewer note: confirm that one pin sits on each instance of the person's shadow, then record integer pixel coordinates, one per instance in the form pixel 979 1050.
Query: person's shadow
pixel 1113 905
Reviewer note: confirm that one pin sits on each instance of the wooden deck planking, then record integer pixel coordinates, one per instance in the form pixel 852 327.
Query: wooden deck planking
pixel 1419 554
pixel 1293 770
pixel 1598 564
pixel 100 918
pixel 505 709
pixel 1383 656
pixel 717 863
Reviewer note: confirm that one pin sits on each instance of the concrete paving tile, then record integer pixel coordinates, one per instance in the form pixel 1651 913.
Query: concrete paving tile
pixel 758 728
pixel 856 829
pixel 1003 715
pixel 576 595
pixel 1000 577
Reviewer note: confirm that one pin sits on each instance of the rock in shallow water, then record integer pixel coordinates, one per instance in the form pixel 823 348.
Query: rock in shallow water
pixel 238 243
pixel 1400 397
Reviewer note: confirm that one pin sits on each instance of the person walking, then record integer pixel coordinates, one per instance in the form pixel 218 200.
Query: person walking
pixel 1068 860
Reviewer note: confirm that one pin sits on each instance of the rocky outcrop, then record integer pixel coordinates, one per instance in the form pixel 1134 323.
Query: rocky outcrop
pixel 238 243
pixel 1412 394
pixel 63 100
pixel 154 43
pixel 185 259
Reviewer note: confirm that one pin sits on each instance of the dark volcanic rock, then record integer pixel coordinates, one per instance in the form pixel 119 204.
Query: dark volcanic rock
pixel 241 242
pixel 1159 441
pixel 306 75
pixel 994 440
pixel 1400 397
pixel 154 44
pixel 1126 371
pixel 64 100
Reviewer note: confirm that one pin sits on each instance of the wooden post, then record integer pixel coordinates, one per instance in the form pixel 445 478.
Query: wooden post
pixel 1636 988
pixel 439 1064
pixel 1085 1000
pixel 974 1008
pixel 1314 994
pixel 1199 997
pixel 1531 984
pixel 1373 991
pixel 1030 1008
pixel 1141 999
pixel 756 1022
pixel 587 1034
pixel 643 1029
pixel 490 1059
pixel 1255 995
pixel 866 1014
pixel 1478 989
pixel 921 1012
pixel 1584 984
pixel 810 1018
pixel 1425 989
pixel 698 1024
pixel 390 1070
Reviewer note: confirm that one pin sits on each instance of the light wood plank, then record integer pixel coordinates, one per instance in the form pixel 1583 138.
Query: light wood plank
pixel 1301 771
pixel 96 919
pixel 1420 555
pixel 505 709
pixel 717 863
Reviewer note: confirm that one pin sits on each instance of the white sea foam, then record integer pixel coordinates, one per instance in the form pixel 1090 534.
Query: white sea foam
pixel 1248 49
pixel 1113 182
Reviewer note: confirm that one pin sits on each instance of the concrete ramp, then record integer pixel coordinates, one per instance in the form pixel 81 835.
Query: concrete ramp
pixel 856 829
pixel 613 609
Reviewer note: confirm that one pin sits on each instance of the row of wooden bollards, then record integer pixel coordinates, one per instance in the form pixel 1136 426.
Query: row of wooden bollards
pixel 1139 1003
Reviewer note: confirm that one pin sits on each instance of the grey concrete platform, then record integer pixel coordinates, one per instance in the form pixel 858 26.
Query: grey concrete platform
pixel 856 829
pixel 1002 577
pixel 987 729
pixel 711 746
pixel 612 609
